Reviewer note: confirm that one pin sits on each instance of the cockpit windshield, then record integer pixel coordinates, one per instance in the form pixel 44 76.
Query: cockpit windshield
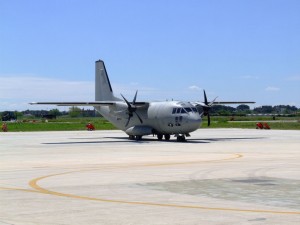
pixel 184 110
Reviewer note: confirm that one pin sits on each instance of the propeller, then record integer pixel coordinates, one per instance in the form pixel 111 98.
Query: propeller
pixel 206 107
pixel 131 109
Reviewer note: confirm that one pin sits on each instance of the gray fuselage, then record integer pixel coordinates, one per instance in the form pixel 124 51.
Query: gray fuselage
pixel 170 117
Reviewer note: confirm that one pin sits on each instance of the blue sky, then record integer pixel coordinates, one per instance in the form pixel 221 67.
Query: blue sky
pixel 234 49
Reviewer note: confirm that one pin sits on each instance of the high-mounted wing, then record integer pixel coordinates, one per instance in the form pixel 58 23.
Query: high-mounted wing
pixel 97 103
pixel 222 103
pixel 230 103
pixel 206 105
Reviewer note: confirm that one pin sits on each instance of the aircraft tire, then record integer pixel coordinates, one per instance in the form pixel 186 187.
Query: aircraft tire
pixel 167 137
pixel 159 137
pixel 131 137
pixel 138 137
pixel 181 138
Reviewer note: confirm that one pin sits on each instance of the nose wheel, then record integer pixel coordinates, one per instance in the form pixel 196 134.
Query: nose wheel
pixel 181 138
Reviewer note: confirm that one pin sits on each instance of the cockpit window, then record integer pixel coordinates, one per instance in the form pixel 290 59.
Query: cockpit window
pixel 188 109
pixel 184 110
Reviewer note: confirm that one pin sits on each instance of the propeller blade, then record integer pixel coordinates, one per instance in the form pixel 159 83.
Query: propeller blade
pixel 128 121
pixel 205 98
pixel 212 102
pixel 206 107
pixel 131 109
pixel 128 104
pixel 134 99
pixel 139 117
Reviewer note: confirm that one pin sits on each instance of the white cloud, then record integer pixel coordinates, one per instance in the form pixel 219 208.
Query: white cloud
pixel 270 88
pixel 194 88
pixel 44 88
pixel 17 91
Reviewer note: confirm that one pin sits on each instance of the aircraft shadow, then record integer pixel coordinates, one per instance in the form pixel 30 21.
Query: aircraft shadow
pixel 147 140
pixel 211 140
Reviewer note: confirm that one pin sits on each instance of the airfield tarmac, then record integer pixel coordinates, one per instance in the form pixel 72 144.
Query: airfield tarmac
pixel 219 176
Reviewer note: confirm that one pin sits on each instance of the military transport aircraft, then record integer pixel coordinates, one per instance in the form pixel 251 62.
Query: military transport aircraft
pixel 137 119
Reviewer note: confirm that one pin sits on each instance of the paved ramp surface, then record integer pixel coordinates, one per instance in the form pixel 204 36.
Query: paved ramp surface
pixel 219 176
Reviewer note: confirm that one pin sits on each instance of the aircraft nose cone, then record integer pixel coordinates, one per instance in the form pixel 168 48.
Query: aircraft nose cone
pixel 193 122
pixel 196 120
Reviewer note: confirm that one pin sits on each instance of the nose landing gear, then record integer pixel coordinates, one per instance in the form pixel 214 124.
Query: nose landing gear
pixel 181 138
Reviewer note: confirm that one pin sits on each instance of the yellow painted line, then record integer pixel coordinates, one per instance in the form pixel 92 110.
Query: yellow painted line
pixel 34 184
pixel 18 189
pixel 122 166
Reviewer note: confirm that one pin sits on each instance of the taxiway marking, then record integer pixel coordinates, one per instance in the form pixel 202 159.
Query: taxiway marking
pixel 38 189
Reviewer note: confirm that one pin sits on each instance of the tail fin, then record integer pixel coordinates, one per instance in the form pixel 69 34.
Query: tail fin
pixel 103 90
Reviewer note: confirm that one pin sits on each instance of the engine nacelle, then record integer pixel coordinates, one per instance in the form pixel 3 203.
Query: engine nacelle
pixel 139 130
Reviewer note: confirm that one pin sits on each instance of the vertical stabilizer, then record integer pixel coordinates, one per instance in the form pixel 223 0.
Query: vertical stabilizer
pixel 103 90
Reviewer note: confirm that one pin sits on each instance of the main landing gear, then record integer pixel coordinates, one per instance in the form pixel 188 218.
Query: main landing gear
pixel 160 137
pixel 137 137
pixel 180 138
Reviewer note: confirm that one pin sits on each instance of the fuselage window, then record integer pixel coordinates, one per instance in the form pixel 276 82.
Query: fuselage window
pixel 195 110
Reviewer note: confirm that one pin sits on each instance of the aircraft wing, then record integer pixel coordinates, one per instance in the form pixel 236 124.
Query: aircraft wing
pixel 75 103
pixel 97 103
pixel 222 103
pixel 231 103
